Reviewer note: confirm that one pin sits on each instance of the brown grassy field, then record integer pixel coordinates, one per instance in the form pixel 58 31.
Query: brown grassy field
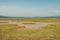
pixel 30 29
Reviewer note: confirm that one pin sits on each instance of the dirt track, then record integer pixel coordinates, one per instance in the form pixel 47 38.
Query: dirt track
pixel 36 25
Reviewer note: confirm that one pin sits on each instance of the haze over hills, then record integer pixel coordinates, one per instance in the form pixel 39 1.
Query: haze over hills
pixel 30 17
pixel 3 16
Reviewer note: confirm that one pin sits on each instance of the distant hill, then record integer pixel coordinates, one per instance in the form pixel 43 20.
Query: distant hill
pixel 3 17
pixel 53 17
pixel 29 17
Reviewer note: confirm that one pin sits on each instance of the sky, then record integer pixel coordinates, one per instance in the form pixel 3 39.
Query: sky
pixel 29 8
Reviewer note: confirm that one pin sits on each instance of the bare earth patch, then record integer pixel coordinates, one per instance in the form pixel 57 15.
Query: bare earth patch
pixel 28 25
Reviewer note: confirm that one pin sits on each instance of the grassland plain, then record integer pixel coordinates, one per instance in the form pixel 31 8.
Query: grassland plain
pixel 34 19
pixel 49 32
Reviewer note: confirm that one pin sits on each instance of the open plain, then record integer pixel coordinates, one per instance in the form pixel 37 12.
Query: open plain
pixel 30 29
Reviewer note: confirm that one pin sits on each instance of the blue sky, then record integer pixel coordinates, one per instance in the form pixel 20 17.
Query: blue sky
pixel 30 8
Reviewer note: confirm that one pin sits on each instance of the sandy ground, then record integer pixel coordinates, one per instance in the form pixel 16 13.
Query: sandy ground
pixel 37 25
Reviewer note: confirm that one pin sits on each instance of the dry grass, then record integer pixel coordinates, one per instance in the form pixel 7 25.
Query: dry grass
pixel 43 20
pixel 50 32
pixel 28 23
